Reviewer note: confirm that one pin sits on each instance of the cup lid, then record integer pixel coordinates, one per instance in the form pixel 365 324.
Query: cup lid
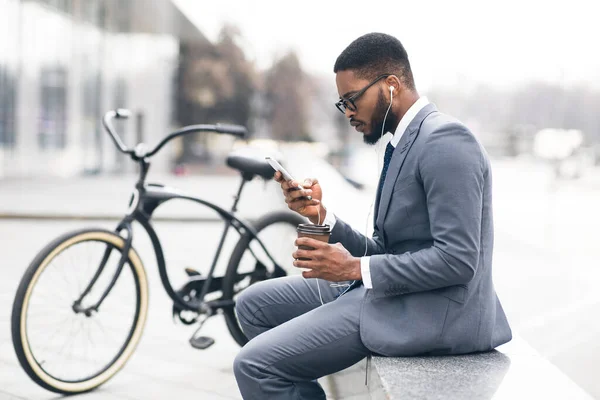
pixel 314 229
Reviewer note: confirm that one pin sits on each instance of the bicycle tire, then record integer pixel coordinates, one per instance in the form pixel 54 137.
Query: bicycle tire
pixel 20 339
pixel 236 256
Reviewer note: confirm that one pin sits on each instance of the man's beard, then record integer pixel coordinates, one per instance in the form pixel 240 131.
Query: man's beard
pixel 379 115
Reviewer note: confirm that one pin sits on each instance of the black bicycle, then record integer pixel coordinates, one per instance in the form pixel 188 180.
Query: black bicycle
pixel 81 306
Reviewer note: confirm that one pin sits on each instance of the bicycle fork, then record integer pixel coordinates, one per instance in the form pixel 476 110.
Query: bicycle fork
pixel 77 308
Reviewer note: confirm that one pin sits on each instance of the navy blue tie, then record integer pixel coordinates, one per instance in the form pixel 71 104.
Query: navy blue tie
pixel 389 150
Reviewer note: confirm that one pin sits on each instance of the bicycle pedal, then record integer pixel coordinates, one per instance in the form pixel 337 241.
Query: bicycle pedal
pixel 202 342
pixel 192 272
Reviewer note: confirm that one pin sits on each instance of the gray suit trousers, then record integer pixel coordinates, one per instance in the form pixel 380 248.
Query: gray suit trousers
pixel 294 339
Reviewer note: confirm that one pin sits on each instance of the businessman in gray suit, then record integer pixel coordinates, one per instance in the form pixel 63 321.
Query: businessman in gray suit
pixel 422 284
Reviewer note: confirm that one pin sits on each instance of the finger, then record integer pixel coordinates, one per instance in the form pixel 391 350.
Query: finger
pixel 309 182
pixel 301 202
pixel 310 242
pixel 278 176
pixel 306 202
pixel 294 186
pixel 289 185
pixel 310 274
pixel 301 206
pixel 308 264
pixel 285 185
pixel 301 254
pixel 317 255
pixel 296 194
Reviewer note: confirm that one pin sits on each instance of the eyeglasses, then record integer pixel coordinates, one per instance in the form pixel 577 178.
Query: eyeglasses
pixel 348 104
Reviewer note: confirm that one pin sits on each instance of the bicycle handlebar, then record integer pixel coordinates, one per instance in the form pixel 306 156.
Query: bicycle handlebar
pixel 234 130
pixel 106 121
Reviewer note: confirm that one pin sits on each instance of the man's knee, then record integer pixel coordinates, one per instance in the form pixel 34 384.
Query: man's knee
pixel 239 365
pixel 246 304
pixel 245 363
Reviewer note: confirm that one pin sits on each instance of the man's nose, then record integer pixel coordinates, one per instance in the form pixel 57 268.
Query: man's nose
pixel 349 113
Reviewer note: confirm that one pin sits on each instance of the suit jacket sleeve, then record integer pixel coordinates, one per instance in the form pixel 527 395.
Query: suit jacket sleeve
pixel 451 168
pixel 354 241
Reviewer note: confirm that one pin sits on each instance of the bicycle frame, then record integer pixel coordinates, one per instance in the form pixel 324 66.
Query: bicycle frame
pixel 145 199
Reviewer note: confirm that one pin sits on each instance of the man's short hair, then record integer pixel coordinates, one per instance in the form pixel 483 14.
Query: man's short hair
pixel 376 54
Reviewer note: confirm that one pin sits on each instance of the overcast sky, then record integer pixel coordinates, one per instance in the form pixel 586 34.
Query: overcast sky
pixel 499 42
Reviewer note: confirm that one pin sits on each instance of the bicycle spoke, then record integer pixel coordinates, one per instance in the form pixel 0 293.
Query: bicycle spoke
pixel 77 273
pixel 58 328
pixel 45 306
pixel 50 322
pixel 66 341
pixel 105 332
pixel 88 343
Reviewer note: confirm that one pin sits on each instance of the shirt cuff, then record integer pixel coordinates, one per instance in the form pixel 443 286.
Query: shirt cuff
pixel 365 271
pixel 329 219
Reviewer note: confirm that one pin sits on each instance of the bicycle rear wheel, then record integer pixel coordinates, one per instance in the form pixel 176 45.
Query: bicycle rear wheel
pixel 249 264
pixel 59 345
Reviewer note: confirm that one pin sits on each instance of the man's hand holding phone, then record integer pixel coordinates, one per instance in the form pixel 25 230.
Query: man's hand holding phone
pixel 305 199
pixel 297 199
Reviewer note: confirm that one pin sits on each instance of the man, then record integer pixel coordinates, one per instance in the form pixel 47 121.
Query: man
pixel 421 285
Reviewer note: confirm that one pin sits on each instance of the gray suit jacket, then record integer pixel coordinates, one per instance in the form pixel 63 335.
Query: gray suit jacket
pixel 431 251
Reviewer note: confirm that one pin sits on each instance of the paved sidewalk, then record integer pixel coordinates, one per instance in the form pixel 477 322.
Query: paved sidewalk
pixel 545 267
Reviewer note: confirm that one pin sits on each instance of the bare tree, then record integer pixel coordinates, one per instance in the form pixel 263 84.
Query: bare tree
pixel 286 101
pixel 216 83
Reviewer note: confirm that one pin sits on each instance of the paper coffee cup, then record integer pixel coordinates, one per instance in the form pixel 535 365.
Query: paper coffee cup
pixel 318 232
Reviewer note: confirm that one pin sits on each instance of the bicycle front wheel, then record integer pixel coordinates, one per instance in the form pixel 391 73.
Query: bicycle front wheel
pixel 249 263
pixel 62 341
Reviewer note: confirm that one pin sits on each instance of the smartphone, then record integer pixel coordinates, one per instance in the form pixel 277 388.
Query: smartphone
pixel 286 175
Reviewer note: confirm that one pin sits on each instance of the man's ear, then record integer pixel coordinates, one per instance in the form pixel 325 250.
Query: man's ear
pixel 394 82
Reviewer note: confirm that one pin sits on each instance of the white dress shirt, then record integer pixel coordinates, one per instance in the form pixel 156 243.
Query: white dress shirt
pixel 365 267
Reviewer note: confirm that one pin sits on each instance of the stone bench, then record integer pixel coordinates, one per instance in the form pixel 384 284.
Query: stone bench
pixel 512 371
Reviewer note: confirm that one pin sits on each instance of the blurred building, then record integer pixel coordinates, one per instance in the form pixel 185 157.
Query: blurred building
pixel 63 63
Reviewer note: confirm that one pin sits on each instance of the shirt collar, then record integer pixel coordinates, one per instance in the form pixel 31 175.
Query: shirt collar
pixel 407 119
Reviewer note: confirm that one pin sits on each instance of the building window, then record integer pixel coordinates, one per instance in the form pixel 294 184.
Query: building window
pixel 53 108
pixel 7 108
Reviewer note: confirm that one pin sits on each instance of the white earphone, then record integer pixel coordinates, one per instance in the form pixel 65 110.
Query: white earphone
pixel 379 158
pixel 347 285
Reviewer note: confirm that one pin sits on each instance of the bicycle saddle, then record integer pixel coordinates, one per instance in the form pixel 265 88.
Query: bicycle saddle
pixel 250 164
